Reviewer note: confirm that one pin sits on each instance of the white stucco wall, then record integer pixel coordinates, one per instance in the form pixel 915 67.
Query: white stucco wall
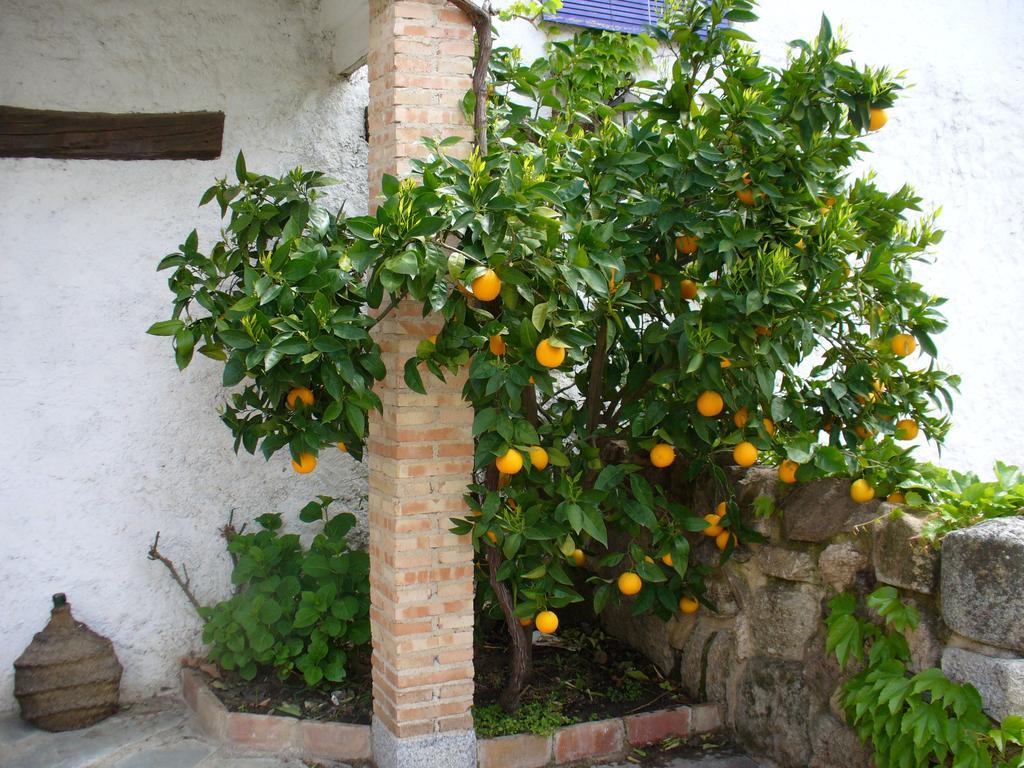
pixel 956 137
pixel 103 441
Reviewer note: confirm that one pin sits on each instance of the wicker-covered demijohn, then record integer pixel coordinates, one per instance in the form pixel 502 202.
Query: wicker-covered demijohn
pixel 68 677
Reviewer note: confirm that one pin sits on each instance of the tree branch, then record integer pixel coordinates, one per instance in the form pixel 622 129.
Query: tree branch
pixel 595 387
pixel 184 583
pixel 480 16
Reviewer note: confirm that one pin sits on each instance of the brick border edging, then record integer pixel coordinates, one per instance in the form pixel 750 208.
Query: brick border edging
pixel 596 740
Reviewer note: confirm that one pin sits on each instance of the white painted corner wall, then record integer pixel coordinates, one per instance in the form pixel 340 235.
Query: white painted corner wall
pixel 106 443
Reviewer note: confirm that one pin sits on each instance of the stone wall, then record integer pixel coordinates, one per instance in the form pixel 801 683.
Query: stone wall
pixel 762 655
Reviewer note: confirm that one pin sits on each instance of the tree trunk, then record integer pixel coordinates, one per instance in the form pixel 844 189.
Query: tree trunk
pixel 521 662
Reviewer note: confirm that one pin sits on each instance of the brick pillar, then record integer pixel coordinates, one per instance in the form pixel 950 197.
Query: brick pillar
pixel 421 448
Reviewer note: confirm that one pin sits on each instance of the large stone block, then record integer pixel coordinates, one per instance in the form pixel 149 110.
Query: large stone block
pixel 999 681
pixel 785 616
pixel 841 563
pixel 835 745
pixel 820 510
pixel 902 557
pixel 983 582
pixel 788 564
pixel 772 712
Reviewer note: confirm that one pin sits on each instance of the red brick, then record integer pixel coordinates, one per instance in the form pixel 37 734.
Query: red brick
pixel 335 741
pixel 262 731
pixel 521 751
pixel 650 727
pixel 603 738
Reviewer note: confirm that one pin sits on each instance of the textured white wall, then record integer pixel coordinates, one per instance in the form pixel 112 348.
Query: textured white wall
pixel 956 137
pixel 104 442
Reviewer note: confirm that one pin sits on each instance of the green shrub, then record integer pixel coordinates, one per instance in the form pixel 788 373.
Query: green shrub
pixel 962 499
pixel 304 610
pixel 540 717
pixel 912 720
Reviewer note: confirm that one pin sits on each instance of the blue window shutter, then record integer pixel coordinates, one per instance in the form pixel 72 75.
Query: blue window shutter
pixel 632 16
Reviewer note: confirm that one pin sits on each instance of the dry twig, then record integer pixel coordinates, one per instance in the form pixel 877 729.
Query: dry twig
pixel 185 583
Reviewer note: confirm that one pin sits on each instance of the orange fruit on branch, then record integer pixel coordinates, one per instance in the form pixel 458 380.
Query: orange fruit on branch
pixel 861 491
pixel 712 528
pixel 342 447
pixel 722 540
pixel 745 454
pixel 305 464
pixel 656 281
pixel 741 417
pixel 787 471
pixel 725 362
pixel 549 355
pixel 906 429
pixel 687 244
pixel 688 605
pixel 688 289
pixel 487 286
pixel 538 457
pixel 879 118
pixel 525 622
pixel 578 557
pixel 510 462
pixel 546 622
pixel 300 394
pixel 896 498
pixel 745 196
pixel 902 344
pixel 710 404
pixel 497 345
pixel 662 455
pixel 667 559
pixel 493 537
pixel 769 427
pixel 629 583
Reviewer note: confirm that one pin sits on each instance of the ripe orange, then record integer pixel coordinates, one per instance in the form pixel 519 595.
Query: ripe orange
pixel 688 605
pixel 787 471
pixel 342 447
pixel 721 509
pixel 302 394
pixel 688 289
pixel 656 280
pixel 902 344
pixel 769 427
pixel 862 432
pixel 305 464
pixel 687 244
pixel 741 417
pixel 546 622
pixel 497 345
pixel 432 338
pixel 538 457
pixel 510 463
pixel 745 196
pixel 861 491
pixel 744 454
pixel 878 119
pixel 662 455
pixel 906 429
pixel 722 540
pixel 896 498
pixel 493 537
pixel 710 404
pixel 525 622
pixel 549 355
pixel 629 583
pixel 746 178
pixel 487 286
pixel 712 528
pixel 725 362
pixel 578 558
pixel 762 330
pixel 667 559
pixel 648 559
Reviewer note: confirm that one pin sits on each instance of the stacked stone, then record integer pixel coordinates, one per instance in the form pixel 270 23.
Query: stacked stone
pixel 762 656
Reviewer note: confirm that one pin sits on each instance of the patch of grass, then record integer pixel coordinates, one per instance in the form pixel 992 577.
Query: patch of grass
pixel 540 717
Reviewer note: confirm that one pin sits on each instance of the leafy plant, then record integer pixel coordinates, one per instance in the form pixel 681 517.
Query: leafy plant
pixel 295 609
pixel 962 499
pixel 643 247
pixel 540 717
pixel 915 720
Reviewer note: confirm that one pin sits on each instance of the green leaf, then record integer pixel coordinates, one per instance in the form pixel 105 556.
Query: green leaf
pixel 166 328
pixel 413 380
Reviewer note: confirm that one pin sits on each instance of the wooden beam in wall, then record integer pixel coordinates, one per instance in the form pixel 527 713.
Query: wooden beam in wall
pixel 110 136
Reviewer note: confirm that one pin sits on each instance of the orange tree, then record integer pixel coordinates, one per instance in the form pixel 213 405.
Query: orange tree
pixel 641 277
